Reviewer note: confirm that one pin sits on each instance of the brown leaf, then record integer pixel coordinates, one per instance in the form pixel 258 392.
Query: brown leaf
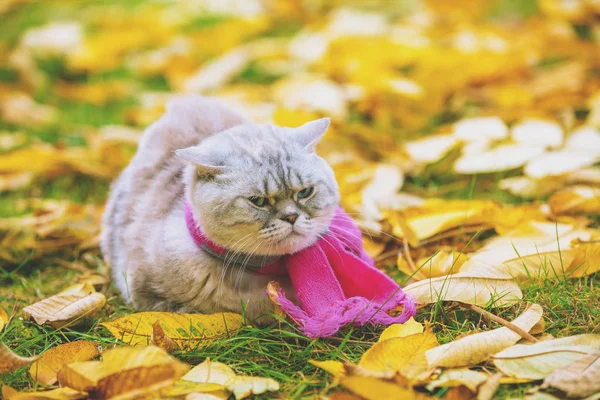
pixel 160 339
pixel 65 307
pixel 476 348
pixel 578 379
pixel 127 372
pixel 9 361
pixel 273 289
pixel 376 389
pixel 64 393
pixel 44 371
pixel 189 331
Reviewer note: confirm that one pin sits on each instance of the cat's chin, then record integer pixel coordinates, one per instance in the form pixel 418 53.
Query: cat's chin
pixel 293 243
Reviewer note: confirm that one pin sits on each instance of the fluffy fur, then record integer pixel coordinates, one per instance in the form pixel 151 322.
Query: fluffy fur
pixel 204 153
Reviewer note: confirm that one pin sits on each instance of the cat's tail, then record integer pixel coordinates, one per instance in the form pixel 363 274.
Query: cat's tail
pixel 187 120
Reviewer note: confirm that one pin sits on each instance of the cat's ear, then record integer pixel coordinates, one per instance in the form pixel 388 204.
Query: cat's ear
pixel 198 159
pixel 309 134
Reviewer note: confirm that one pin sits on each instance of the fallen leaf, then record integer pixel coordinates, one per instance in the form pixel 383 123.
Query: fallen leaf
pixel 44 371
pixel 470 287
pixel 16 181
pixel 160 339
pixel 458 376
pixel 244 386
pixel 65 307
pixel 478 347
pixel 488 389
pixel 436 216
pixel 538 132
pixel 126 372
pixel 273 289
pixel 216 373
pixel 578 199
pixel 430 149
pixel 189 331
pixel 408 328
pixel 335 368
pixel 209 372
pixel 376 389
pixel 557 163
pixel 186 388
pixel 3 319
pixel 538 360
pixel 501 158
pixel 578 379
pixel 405 355
pixel 442 263
pixel 63 393
pixel 10 361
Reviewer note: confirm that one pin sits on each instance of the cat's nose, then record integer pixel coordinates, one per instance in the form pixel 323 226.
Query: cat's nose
pixel 291 217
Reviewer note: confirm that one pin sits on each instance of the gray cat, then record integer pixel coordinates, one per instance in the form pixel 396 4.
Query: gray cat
pixel 259 191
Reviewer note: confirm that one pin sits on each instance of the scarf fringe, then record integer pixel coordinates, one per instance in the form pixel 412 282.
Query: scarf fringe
pixel 356 310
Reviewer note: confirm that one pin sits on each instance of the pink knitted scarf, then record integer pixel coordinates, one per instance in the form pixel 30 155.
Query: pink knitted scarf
pixel 335 280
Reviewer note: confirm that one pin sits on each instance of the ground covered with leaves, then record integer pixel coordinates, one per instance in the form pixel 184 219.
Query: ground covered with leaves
pixel 465 139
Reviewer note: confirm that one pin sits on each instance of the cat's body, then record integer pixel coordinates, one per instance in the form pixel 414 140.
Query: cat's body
pixel 155 261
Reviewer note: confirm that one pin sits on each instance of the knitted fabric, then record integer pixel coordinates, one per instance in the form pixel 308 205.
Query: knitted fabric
pixel 336 282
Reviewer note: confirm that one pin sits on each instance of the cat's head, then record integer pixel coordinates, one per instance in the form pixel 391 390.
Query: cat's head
pixel 261 189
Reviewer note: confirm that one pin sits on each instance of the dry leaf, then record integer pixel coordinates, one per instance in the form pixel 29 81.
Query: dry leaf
pixel 244 386
pixel 458 376
pixel 538 360
pixel 160 339
pixel 578 199
pixel 437 216
pixel 16 181
pixel 124 371
pixel 405 355
pixel 488 389
pixel 538 132
pixel 3 319
pixel 408 328
pixel 44 371
pixel 189 331
pixel 430 149
pixel 376 389
pixel 186 388
pixel 9 361
pixel 63 393
pixel 468 287
pixel 216 373
pixel 67 306
pixel 273 289
pixel 478 347
pixel 209 372
pixel 442 263
pixel 558 163
pixel 501 158
pixel 335 368
pixel 579 379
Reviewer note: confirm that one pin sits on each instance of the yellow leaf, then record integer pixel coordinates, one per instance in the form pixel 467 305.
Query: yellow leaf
pixel 95 93
pixel 9 361
pixel 408 328
pixel 405 355
pixel 3 319
pixel 160 339
pixel 127 372
pixel 244 386
pixel 578 199
pixel 442 263
pixel 488 389
pixel 467 287
pixel 45 369
pixel 372 388
pixel 63 393
pixel 15 181
pixel 189 331
pixel 221 375
pixel 501 158
pixel 437 216
pixel 538 360
pixel 65 307
pixel 458 376
pixel 209 372
pixel 473 349
pixel 335 368
pixel 578 379
pixel 183 387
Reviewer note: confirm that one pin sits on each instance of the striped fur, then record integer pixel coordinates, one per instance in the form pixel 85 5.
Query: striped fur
pixel 202 152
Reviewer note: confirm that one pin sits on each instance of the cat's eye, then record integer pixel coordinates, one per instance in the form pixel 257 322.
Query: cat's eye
pixel 259 201
pixel 305 193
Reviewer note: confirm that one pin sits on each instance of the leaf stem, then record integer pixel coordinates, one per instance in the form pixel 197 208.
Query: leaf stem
pixel 525 335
